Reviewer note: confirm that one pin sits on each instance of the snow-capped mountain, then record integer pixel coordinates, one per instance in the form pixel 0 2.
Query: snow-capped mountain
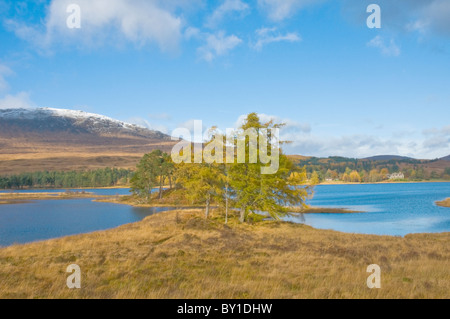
pixel 70 121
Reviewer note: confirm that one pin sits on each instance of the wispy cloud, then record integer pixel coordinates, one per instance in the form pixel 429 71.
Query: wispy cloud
pixel 267 36
pixel 390 49
pixel 8 100
pixel 218 44
pixel 437 139
pixel 4 72
pixel 228 7
pixel 16 101
pixel 430 144
pixel 148 124
pixel 427 17
pixel 278 10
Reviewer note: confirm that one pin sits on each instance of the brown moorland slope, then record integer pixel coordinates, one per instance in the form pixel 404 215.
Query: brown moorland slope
pixel 48 139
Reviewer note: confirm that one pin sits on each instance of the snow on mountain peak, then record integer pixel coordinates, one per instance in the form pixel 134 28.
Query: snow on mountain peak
pixel 79 116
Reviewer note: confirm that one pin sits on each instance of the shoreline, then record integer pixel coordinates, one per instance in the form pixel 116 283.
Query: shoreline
pixel 6 191
pixel 26 198
pixel 292 210
pixel 384 182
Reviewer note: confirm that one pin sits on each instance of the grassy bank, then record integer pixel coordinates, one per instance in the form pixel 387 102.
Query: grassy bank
pixel 20 198
pixel 444 203
pixel 180 255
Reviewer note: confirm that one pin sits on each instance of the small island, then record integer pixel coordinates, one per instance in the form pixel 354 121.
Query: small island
pixel 444 203
pixel 21 198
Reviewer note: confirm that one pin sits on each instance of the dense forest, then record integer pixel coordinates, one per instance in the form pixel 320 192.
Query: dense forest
pixel 73 179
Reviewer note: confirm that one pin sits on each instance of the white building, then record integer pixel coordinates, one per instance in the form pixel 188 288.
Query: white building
pixel 397 176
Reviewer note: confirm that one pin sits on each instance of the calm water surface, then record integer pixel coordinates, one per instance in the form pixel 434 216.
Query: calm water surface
pixel 46 219
pixel 390 209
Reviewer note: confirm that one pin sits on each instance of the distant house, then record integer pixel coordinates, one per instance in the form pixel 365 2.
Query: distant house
pixel 397 176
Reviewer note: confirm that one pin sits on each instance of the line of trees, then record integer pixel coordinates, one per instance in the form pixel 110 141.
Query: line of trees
pixel 339 168
pixel 106 177
pixel 236 185
pixel 374 175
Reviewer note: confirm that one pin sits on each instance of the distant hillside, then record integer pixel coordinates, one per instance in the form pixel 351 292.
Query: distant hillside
pixel 447 158
pixel 413 169
pixel 57 139
pixel 387 158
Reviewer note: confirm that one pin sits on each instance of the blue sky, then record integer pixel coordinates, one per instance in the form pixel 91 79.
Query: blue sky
pixel 342 88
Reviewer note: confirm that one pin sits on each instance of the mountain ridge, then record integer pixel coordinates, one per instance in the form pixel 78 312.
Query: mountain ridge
pixel 388 158
pixel 60 139
pixel 42 119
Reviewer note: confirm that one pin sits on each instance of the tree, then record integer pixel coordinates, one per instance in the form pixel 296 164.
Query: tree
pixel 205 182
pixel 315 178
pixel 384 173
pixel 346 178
pixel 447 171
pixel 151 171
pixel 355 177
pixel 258 192
pixel 145 177
pixel 202 182
pixel 374 176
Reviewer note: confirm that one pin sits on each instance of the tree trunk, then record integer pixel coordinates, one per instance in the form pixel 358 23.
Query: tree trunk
pixel 226 205
pixel 170 181
pixel 161 180
pixel 207 206
pixel 242 215
pixel 148 192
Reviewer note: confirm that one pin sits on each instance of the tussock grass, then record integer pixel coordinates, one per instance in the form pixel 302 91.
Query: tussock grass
pixel 179 254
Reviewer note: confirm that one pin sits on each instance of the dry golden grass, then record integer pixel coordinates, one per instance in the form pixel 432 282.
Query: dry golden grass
pixel 444 203
pixel 180 255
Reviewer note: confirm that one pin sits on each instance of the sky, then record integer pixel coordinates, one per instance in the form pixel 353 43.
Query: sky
pixel 342 88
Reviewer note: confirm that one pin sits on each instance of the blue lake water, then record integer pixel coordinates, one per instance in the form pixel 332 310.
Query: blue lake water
pixel 390 209
pixel 46 219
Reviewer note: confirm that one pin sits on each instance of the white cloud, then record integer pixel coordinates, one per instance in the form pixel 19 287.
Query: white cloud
pixel 226 8
pixel 160 116
pixel 431 144
pixel 428 17
pixel 279 10
pixel 192 33
pixel 4 72
pixel 149 125
pixel 437 139
pixel 218 44
pixel 436 17
pixel 269 35
pixel 290 132
pixel 140 22
pixel 390 49
pixel 354 146
pixel 17 101
pixel 11 101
